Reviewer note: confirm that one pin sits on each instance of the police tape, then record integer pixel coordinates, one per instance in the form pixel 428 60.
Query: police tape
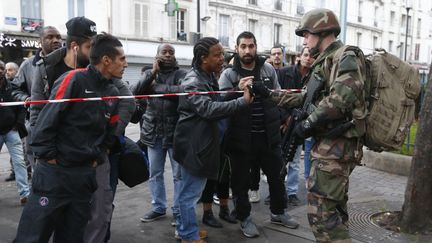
pixel 38 102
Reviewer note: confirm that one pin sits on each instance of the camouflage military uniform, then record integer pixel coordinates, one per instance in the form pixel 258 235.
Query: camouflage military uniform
pixel 333 159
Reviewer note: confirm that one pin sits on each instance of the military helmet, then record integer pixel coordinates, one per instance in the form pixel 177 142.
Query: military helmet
pixel 317 21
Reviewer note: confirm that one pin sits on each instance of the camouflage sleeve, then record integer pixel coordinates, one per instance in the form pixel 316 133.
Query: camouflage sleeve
pixel 347 96
pixel 287 100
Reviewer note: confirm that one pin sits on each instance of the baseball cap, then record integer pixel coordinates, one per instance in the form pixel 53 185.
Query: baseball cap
pixel 81 27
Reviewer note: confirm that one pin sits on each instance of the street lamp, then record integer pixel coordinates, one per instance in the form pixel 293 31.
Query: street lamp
pixel 406 32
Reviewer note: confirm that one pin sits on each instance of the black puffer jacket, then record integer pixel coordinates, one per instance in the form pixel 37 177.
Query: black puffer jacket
pixel 11 117
pixel 160 117
pixel 196 138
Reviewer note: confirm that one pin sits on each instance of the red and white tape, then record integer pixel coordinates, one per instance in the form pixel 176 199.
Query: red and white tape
pixel 37 102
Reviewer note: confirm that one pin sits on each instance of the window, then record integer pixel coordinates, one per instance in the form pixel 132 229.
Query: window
pixel 277 32
pixel 375 18
pixel 401 50
pixel 75 8
pixel 278 5
pixel 141 19
pixel 359 11
pixel 253 2
pixel 417 52
pixel 253 23
pixel 403 21
pixel 180 25
pixel 419 23
pixel 31 9
pixel 375 42
pixel 409 25
pixel 390 46
pixel 223 29
pixel 359 37
pixel 392 18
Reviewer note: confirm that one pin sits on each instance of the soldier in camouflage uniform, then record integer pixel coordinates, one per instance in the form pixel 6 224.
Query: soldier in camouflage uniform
pixel 340 101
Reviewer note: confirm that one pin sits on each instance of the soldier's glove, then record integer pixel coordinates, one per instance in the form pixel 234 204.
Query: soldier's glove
pixel 302 130
pixel 259 88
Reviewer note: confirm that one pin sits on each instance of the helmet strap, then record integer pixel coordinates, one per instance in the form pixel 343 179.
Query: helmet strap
pixel 314 51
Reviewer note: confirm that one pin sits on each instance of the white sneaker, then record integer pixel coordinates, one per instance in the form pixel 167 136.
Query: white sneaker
pixel 254 196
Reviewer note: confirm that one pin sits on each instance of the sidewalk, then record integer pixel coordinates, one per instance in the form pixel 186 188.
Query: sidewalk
pixel 371 191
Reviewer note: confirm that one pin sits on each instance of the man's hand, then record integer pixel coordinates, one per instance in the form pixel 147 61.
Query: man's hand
pixel 52 161
pixel 247 94
pixel 302 130
pixel 260 89
pixel 244 82
pixel 156 66
pixel 27 99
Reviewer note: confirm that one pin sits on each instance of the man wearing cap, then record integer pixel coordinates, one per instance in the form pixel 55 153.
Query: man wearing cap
pixel 334 98
pixel 74 55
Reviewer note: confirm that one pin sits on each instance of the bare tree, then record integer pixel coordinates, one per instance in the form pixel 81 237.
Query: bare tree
pixel 417 208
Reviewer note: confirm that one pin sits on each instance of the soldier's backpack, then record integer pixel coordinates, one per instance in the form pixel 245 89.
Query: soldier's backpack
pixel 393 86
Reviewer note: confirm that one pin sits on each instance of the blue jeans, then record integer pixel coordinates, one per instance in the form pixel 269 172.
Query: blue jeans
pixel 292 180
pixel 15 148
pixel 309 142
pixel 157 155
pixel 189 194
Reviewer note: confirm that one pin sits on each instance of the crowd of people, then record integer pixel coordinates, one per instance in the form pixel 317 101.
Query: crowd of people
pixel 214 142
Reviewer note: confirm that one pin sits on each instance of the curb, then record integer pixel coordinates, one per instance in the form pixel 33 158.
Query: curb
pixel 388 162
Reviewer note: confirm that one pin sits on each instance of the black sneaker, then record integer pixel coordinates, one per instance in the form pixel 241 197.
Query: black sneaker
pixel 11 177
pixel 225 215
pixel 210 220
pixel 151 216
pixel 293 200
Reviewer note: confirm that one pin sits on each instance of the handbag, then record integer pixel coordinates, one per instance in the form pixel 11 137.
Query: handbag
pixel 133 165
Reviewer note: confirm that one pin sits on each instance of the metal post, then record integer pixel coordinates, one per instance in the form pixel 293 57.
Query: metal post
pixel 406 33
pixel 405 59
pixel 198 17
pixel 343 19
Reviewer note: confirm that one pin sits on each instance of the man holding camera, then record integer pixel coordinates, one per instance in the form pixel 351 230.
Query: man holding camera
pixel 253 136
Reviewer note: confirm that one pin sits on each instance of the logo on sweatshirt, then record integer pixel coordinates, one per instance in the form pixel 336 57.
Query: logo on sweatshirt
pixel 43 201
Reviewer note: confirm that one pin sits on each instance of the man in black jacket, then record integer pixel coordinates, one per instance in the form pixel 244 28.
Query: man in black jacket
pixel 253 136
pixel 21 85
pixel 158 126
pixel 11 124
pixel 70 139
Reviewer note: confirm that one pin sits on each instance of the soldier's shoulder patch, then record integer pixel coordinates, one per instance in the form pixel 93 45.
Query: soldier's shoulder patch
pixel 348 63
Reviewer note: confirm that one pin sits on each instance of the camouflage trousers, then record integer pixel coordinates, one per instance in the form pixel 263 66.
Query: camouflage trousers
pixel 327 200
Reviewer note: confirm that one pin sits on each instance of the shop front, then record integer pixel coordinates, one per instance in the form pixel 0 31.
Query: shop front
pixel 16 47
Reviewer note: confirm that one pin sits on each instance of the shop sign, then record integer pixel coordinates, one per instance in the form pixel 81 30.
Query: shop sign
pixel 13 41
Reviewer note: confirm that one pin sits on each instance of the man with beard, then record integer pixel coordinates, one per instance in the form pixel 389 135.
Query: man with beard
pixel 65 176
pixel 253 136
pixel 21 85
pixel 159 122
pixel 74 55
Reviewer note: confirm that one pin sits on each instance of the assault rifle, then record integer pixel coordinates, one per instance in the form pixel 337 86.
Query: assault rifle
pixel 289 141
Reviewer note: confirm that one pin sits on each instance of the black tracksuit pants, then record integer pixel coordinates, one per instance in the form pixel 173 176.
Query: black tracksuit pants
pixel 59 203
pixel 270 161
